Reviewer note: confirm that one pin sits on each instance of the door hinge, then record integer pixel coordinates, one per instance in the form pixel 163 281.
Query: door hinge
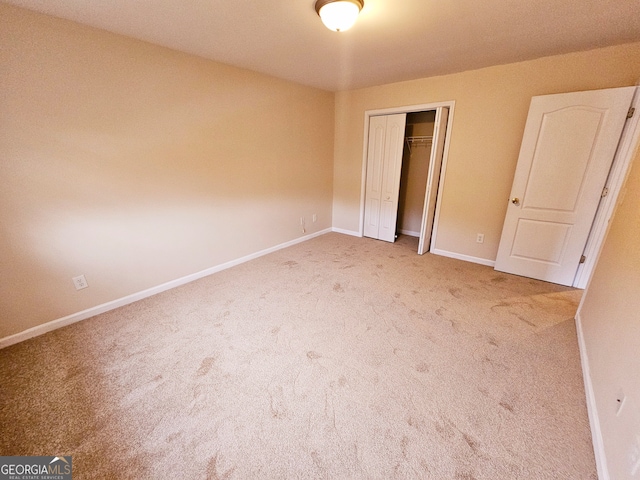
pixel 631 111
pixel 583 259
pixel 605 192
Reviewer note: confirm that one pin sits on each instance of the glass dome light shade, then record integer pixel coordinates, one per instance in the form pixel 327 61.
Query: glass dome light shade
pixel 339 15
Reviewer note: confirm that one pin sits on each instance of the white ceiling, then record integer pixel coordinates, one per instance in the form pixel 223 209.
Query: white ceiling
pixel 393 40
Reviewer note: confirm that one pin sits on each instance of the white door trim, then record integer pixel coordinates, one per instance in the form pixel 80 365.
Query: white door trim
pixel 407 109
pixel 627 147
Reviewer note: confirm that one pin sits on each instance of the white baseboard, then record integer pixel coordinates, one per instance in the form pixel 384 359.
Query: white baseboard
pixel 594 421
pixel 346 232
pixel 466 258
pixel 410 233
pixel 105 307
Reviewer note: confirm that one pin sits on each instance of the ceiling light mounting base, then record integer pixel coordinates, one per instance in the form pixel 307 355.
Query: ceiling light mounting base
pixel 322 3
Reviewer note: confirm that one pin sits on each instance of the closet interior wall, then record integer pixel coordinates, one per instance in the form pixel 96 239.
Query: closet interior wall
pixel 415 167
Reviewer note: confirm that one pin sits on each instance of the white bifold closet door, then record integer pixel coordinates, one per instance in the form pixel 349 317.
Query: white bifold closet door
pixel 384 167
pixel 433 179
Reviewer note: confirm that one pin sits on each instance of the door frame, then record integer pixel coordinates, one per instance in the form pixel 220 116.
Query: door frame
pixel 627 147
pixel 408 109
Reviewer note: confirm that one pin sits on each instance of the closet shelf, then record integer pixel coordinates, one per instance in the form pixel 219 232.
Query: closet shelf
pixel 421 138
pixel 418 140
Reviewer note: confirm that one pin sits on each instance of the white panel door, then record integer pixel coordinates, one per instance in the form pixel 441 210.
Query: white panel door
pixel 384 166
pixel 433 178
pixel 373 189
pixel 567 149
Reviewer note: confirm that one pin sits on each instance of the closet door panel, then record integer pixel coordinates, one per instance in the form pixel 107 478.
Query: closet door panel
pixel 372 218
pixel 375 165
pixel 433 179
pixel 392 169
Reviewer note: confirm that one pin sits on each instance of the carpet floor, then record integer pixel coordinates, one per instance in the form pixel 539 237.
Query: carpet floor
pixel 337 358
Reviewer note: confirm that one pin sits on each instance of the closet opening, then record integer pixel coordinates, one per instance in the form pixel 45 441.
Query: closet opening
pixel 403 171
pixel 416 154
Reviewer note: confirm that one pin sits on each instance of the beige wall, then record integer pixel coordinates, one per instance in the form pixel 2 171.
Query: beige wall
pixel 611 328
pixel 136 165
pixel 490 113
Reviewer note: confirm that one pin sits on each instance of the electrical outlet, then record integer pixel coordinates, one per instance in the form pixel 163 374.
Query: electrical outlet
pixel 302 221
pixel 315 218
pixel 80 282
pixel 480 238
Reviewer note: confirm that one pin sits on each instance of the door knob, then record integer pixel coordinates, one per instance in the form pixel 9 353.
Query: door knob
pixel 515 201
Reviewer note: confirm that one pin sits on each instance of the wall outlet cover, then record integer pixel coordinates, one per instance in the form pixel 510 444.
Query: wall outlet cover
pixel 80 282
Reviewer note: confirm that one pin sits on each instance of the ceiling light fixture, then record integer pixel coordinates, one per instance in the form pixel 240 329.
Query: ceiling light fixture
pixel 339 15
